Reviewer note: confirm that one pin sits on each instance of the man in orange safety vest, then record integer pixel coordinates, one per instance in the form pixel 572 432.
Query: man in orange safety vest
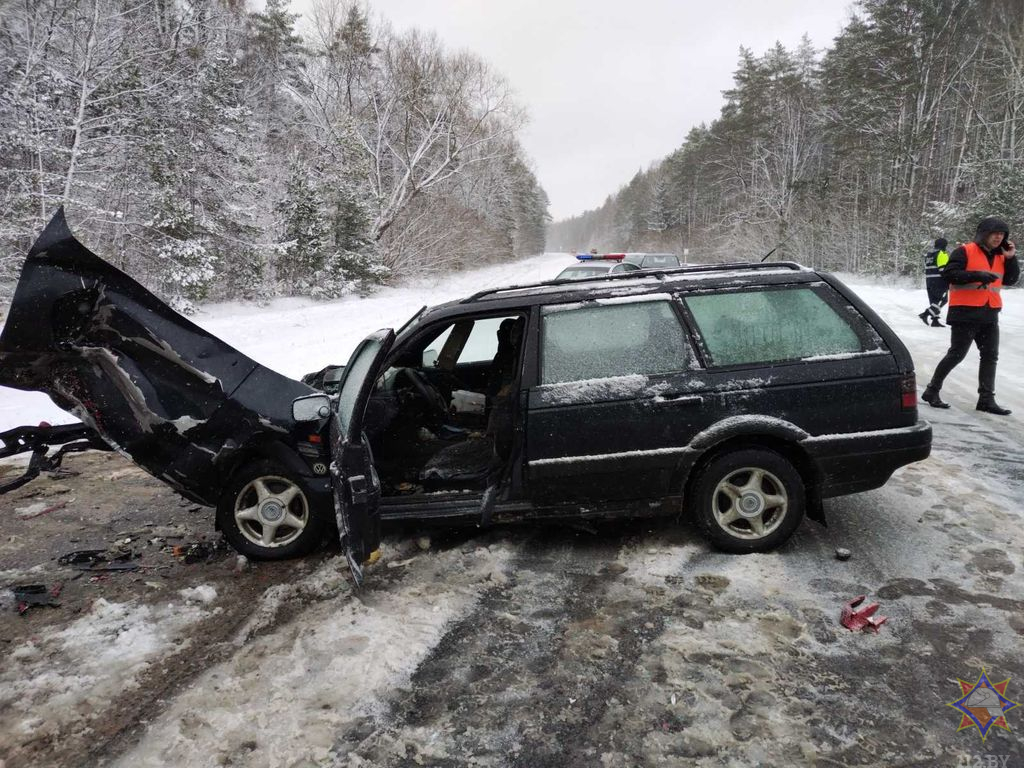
pixel 976 273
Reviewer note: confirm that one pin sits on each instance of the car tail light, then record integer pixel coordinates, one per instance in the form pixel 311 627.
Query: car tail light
pixel 908 391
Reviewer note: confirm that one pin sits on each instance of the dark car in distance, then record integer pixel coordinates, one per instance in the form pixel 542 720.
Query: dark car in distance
pixel 738 394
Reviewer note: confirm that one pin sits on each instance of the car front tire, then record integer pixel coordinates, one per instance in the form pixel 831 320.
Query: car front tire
pixel 749 500
pixel 267 513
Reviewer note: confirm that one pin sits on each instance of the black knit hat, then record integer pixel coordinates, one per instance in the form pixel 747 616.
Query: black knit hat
pixel 941 243
pixel 990 225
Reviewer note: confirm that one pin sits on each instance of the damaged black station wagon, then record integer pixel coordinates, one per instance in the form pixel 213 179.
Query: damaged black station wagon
pixel 740 394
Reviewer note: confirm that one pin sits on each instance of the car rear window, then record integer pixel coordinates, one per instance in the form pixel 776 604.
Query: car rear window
pixel 597 341
pixel 660 261
pixel 572 272
pixel 763 326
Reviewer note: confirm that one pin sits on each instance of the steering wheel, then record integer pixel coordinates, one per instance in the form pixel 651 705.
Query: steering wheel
pixel 434 400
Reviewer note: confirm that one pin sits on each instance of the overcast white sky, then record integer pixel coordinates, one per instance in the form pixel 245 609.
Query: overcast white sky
pixel 611 86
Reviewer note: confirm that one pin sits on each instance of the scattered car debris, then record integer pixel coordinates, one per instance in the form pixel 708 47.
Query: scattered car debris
pixel 71 438
pixel 39 509
pixel 117 565
pixel 198 552
pixel 853 618
pixel 82 556
pixel 843 554
pixel 100 560
pixel 30 595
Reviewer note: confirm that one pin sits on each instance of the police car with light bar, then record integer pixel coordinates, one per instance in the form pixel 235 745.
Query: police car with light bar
pixel 597 265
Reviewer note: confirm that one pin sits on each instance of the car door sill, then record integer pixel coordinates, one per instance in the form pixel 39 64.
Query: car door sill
pixel 434 505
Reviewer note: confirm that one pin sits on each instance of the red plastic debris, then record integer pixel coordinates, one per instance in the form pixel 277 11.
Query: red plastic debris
pixel 854 619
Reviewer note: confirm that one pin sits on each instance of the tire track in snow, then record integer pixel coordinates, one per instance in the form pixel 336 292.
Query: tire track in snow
pixel 522 679
pixel 283 696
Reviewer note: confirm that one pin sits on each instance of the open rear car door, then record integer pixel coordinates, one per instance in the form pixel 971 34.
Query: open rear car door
pixel 356 485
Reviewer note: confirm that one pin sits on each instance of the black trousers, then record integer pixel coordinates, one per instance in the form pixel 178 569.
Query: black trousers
pixel 962 335
pixel 938 291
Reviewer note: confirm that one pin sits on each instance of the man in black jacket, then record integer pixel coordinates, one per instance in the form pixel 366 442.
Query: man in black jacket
pixel 976 273
pixel 935 283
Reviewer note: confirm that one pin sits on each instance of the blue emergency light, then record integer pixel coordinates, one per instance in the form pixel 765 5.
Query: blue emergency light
pixel 600 256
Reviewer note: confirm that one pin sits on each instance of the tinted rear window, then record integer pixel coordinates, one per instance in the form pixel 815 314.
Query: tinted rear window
pixel 764 326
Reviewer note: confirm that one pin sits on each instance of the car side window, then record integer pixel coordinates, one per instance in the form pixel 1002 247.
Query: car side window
pixel 763 326
pixel 475 341
pixel 597 341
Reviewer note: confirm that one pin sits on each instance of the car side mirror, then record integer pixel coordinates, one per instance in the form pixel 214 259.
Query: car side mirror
pixel 311 408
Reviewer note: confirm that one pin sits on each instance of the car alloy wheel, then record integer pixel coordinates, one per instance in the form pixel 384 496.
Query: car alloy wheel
pixel 747 500
pixel 271 511
pixel 750 503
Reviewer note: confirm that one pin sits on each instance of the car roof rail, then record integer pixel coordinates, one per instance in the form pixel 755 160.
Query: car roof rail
pixel 658 274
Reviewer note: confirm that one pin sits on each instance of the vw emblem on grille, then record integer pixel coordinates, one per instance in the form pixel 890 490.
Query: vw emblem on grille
pixel 319 469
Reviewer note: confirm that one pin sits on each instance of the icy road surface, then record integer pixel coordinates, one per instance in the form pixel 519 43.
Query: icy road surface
pixel 633 645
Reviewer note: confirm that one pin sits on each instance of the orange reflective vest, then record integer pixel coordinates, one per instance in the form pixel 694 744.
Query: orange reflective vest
pixel 979 294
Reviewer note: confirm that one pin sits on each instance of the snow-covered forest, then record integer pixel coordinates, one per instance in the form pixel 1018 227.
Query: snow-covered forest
pixel 218 152
pixel 910 126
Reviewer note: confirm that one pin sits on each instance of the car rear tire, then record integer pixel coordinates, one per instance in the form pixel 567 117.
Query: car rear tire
pixel 749 500
pixel 267 513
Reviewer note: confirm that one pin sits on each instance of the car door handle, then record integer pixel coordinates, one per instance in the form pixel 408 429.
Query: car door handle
pixel 678 398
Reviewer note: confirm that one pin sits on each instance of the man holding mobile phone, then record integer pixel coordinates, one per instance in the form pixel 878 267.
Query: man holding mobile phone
pixel 976 273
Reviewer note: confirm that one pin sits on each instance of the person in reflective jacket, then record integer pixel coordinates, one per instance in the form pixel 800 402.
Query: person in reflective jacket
pixel 935 283
pixel 976 273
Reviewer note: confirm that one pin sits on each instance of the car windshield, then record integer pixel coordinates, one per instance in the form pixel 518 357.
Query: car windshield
pixel 575 273
pixel 413 321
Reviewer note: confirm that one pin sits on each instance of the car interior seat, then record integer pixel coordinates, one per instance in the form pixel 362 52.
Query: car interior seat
pixel 470 461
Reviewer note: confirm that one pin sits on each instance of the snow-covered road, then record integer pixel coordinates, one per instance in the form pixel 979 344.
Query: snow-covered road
pixel 531 647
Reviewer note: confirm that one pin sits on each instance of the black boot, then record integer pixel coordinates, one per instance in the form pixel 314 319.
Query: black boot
pixel 931 396
pixel 989 405
pixel 936 323
pixel 924 316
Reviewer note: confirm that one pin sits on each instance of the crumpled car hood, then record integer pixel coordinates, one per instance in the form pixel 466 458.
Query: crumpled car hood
pixel 158 388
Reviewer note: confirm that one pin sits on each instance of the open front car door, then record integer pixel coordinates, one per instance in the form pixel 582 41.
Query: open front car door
pixel 356 486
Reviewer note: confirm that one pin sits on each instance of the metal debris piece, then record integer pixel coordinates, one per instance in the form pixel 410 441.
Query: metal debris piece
pixel 854 619
pixel 29 595
pixel 83 556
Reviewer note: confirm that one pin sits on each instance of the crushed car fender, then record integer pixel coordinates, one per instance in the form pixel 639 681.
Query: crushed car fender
pixel 172 397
